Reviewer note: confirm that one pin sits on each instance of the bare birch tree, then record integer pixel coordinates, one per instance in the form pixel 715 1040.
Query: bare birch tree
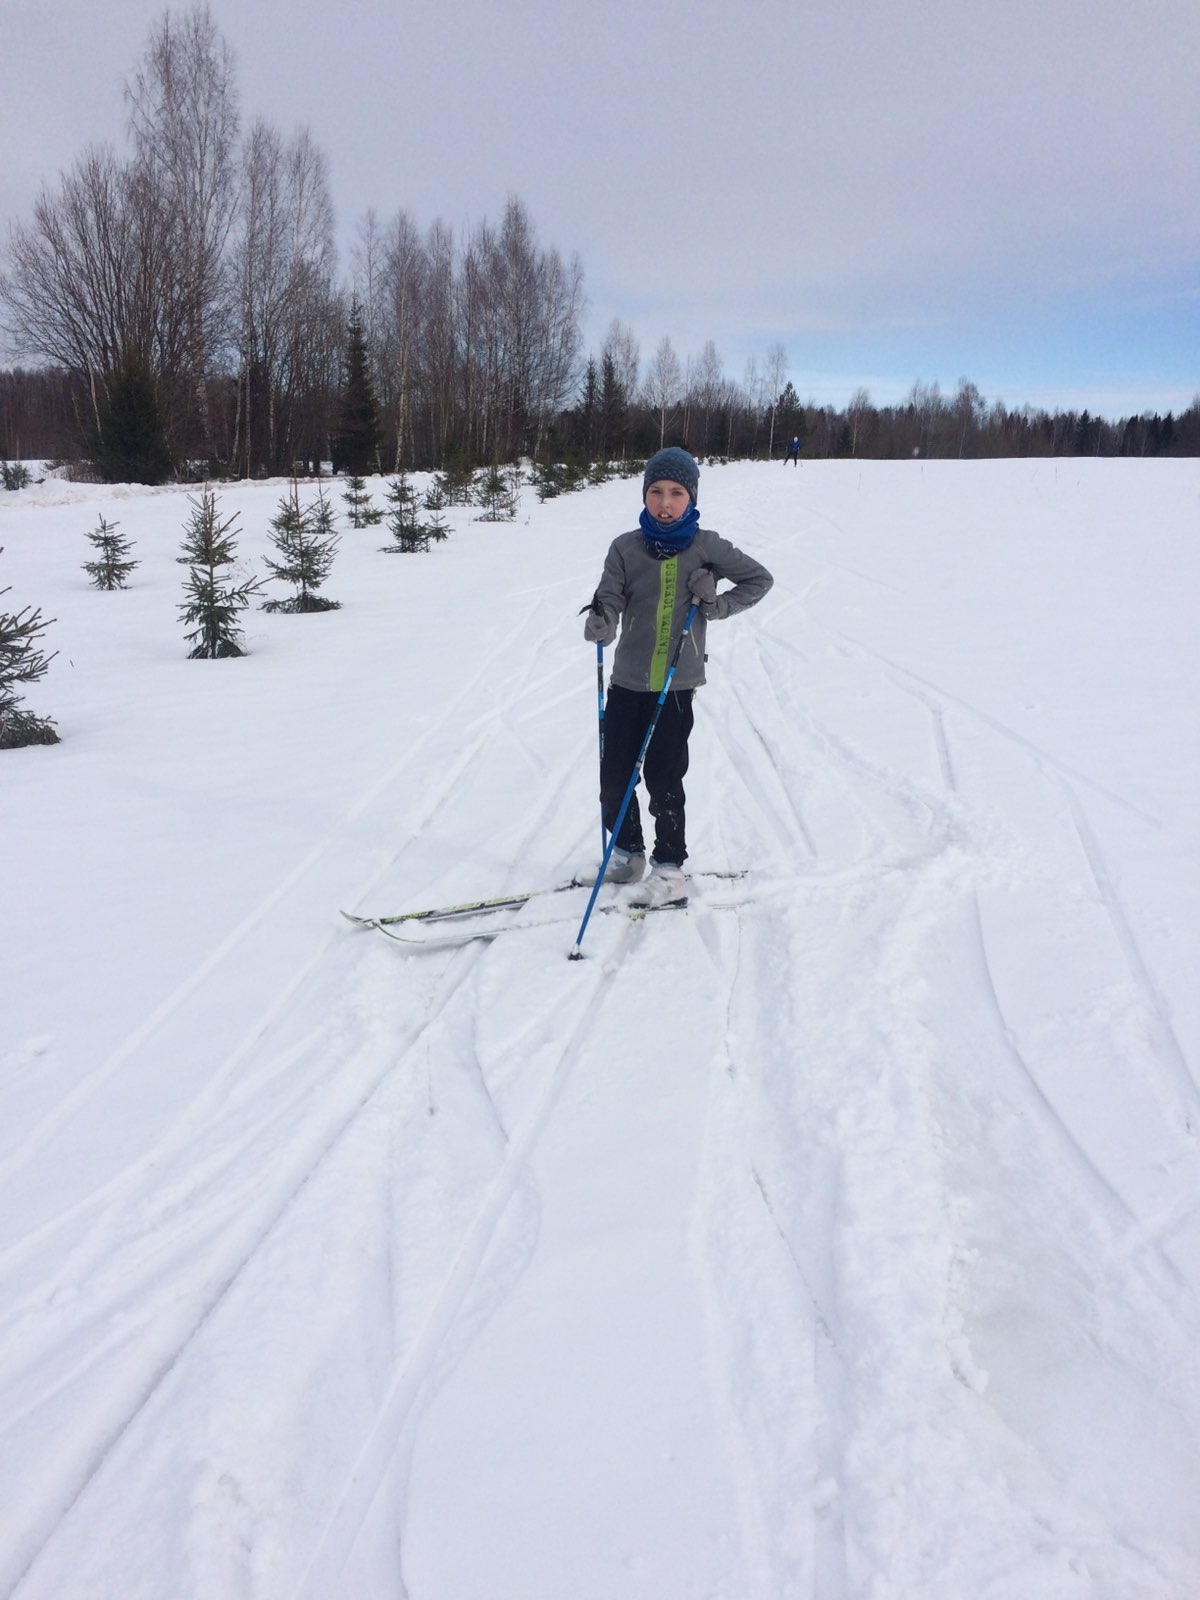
pixel 447 329
pixel 183 117
pixel 664 381
pixel 775 376
pixel 706 391
pixel 622 347
pixel 398 345
pixel 89 285
pixel 289 324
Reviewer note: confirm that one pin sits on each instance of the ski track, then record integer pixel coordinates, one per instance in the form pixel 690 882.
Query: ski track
pixel 951 834
pixel 135 1196
pixel 488 726
pixel 789 1283
pixel 1167 1046
pixel 166 1330
pixel 833 1248
pixel 352 1502
pixel 900 673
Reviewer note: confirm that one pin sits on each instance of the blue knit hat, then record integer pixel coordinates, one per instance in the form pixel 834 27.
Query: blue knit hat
pixel 676 466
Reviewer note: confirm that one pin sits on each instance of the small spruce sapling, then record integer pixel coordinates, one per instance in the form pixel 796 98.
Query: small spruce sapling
pixel 358 503
pixel 323 515
pixel 112 565
pixel 435 504
pixel 307 544
pixel 213 602
pixel 498 494
pixel 548 479
pixel 403 519
pixel 22 662
pixel 456 480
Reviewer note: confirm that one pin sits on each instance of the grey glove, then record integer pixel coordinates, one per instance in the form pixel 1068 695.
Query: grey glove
pixel 598 629
pixel 714 607
pixel 703 586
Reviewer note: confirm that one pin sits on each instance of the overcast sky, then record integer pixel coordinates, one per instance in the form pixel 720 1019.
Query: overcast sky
pixel 892 189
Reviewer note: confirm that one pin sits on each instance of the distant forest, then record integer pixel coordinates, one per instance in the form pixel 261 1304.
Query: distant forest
pixel 181 315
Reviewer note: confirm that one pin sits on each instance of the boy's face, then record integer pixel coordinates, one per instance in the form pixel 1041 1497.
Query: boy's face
pixel 665 501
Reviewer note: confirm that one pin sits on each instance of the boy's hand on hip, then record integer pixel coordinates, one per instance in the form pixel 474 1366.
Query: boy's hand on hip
pixel 703 586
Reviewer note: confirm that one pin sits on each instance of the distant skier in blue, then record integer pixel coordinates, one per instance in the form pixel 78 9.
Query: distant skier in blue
pixel 793 453
pixel 651 576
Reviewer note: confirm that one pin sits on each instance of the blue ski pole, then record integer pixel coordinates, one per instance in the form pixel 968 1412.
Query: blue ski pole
pixel 594 605
pixel 600 719
pixel 576 953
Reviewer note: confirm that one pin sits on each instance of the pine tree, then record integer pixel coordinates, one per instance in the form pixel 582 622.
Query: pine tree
pixel 307 544
pixel 403 519
pixel 112 567
pixel 22 662
pixel 214 603
pixel 357 436
pixel 358 503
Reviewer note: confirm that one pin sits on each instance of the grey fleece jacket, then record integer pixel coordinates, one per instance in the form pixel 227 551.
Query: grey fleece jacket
pixel 651 599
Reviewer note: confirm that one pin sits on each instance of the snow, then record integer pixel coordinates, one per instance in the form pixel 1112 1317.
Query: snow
pixel 838 1237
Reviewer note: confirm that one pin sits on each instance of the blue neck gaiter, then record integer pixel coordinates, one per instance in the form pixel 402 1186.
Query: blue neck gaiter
pixel 666 539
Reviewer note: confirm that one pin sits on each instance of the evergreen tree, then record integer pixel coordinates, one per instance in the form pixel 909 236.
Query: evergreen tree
pixel 323 515
pixel 789 417
pixel 358 503
pixel 589 410
pixel 436 525
pixel 112 566
pixel 403 519
pixel 213 602
pixel 499 496
pixel 456 480
pixel 549 479
pixel 357 436
pixel 21 662
pixel 614 411
pixel 129 444
pixel 307 544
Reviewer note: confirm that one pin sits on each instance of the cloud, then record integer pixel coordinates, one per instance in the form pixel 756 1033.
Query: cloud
pixel 800 171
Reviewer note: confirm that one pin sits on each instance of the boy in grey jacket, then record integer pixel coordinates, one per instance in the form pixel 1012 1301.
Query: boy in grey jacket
pixel 651 576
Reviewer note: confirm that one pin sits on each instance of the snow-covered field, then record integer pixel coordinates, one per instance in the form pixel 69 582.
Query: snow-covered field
pixel 839 1237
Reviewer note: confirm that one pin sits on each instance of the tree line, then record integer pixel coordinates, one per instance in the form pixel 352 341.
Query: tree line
pixel 183 308
pixel 182 305
pixel 612 420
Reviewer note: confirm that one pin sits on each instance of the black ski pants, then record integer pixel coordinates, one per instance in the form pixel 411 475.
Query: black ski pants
pixel 627 715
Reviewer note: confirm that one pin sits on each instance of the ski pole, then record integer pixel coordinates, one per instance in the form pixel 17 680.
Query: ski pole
pixel 600 720
pixel 576 953
pixel 594 605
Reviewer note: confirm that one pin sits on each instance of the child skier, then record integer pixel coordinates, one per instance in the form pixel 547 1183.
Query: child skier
pixel 651 577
